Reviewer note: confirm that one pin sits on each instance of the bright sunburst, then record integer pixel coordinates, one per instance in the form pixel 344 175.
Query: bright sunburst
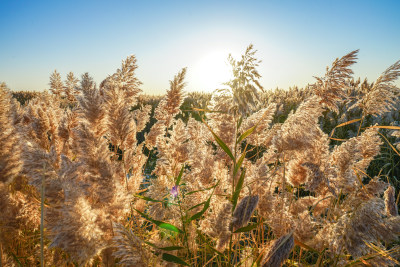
pixel 211 71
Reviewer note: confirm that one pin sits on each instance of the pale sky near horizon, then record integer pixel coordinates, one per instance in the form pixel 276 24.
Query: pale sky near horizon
pixel 295 40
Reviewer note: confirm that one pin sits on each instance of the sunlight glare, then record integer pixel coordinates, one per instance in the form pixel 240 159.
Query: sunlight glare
pixel 211 71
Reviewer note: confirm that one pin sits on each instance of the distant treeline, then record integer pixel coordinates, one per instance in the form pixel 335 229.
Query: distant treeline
pixel 24 96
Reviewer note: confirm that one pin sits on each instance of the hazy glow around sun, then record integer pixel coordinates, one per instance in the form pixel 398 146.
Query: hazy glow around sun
pixel 210 71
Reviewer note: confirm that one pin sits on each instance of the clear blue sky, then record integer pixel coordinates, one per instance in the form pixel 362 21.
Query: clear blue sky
pixel 296 40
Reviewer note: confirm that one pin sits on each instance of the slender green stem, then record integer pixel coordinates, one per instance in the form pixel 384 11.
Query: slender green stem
pixel 184 227
pixel 233 186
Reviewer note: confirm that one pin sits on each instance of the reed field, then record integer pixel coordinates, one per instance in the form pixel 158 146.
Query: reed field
pixel 103 175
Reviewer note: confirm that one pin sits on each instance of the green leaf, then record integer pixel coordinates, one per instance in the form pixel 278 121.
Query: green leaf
pixel 215 250
pixel 195 206
pixel 155 200
pixel 246 133
pixel 238 189
pixel 161 224
pixel 150 244
pixel 164 248
pixel 171 248
pixel 178 179
pixel 239 122
pixel 247 228
pixel 174 259
pixel 206 189
pixel 223 145
pixel 239 163
pixel 205 207
pixel 168 226
pixel 198 215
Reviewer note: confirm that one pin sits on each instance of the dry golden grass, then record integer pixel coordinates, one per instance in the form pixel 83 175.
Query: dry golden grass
pixel 241 178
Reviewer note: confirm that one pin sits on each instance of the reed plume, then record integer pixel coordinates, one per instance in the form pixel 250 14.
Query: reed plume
pixel 10 151
pixel 244 210
pixel 167 109
pixel 56 84
pixel 383 95
pixel 70 85
pixel 390 202
pixel 278 251
pixel 332 87
pixel 250 155
pixel 19 208
pixel 244 87
pixel 129 248
pixel 86 184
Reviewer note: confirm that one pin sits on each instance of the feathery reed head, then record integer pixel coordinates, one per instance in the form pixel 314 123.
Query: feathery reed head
pixel 390 202
pixel 70 84
pixel 92 164
pixel 245 86
pixel 383 95
pixel 244 210
pixel 169 106
pixel 278 251
pixel 56 84
pixel 10 150
pixel 331 88
pixel 128 247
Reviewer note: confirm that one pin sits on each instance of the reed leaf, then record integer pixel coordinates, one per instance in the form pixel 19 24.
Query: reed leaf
pixel 178 179
pixel 246 133
pixel 174 259
pixel 238 189
pixel 161 224
pixel 171 248
pixel 155 200
pixel 247 228
pixel 239 163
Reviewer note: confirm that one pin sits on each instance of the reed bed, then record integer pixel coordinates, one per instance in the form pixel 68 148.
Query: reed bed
pixel 106 176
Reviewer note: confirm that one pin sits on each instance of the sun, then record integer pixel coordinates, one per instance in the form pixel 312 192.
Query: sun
pixel 211 70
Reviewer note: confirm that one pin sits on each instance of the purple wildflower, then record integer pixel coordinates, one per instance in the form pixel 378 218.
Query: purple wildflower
pixel 174 191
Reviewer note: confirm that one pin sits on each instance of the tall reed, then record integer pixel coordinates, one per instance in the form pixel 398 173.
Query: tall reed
pixel 241 178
